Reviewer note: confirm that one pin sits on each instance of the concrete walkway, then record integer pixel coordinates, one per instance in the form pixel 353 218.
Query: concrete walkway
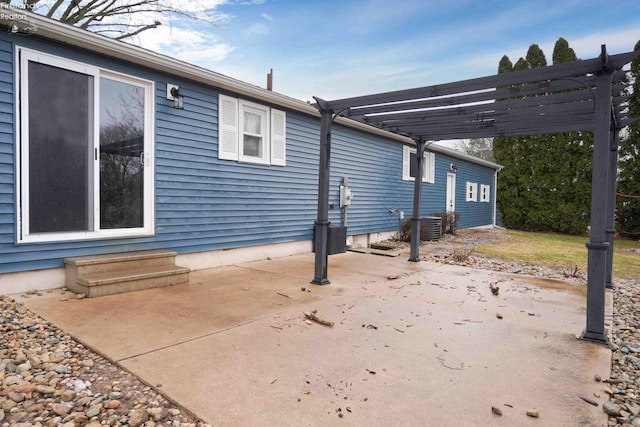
pixel 413 344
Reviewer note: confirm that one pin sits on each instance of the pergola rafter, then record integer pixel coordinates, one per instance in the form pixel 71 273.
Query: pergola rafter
pixel 584 95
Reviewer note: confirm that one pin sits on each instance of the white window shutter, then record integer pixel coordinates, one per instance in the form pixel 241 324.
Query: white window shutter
pixel 432 167
pixel 227 128
pixel 278 138
pixel 428 167
pixel 406 158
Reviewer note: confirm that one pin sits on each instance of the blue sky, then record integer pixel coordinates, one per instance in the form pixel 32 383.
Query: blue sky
pixel 342 48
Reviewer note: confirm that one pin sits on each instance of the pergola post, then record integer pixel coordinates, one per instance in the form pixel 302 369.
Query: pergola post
pixel 611 204
pixel 417 196
pixel 321 229
pixel 600 186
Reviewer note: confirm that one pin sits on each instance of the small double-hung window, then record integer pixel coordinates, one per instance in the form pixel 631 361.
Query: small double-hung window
pixel 409 171
pixel 485 193
pixel 472 192
pixel 250 132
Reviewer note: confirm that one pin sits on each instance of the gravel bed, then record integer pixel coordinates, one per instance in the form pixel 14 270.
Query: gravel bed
pixel 49 379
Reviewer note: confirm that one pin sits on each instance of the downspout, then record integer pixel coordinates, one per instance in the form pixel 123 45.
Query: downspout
pixel 495 197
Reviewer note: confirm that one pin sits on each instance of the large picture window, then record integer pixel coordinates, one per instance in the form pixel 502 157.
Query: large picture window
pixel 86 144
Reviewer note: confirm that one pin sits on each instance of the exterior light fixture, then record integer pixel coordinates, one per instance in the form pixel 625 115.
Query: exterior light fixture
pixel 173 94
pixel 453 168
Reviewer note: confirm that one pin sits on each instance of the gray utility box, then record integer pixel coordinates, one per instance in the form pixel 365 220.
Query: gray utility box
pixel 431 228
pixel 336 241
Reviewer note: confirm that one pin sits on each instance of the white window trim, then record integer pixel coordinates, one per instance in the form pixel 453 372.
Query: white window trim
pixel 429 165
pixel 472 192
pixel 485 191
pixel 246 106
pixel 22 57
pixel 231 129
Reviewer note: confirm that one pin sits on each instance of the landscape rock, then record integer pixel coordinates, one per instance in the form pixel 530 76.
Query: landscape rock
pixel 45 389
pixel 137 417
pixel 61 408
pixel 611 408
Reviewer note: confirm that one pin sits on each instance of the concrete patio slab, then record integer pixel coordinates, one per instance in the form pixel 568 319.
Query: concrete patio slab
pixel 425 348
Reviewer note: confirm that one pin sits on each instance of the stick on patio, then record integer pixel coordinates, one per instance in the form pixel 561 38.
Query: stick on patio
pixel 311 315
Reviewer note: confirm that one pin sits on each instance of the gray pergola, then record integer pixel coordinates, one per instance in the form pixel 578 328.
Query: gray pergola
pixel 584 95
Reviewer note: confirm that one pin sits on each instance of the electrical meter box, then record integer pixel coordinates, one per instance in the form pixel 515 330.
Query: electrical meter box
pixel 345 196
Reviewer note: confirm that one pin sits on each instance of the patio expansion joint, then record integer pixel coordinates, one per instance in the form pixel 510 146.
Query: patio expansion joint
pixel 270 272
pixel 155 350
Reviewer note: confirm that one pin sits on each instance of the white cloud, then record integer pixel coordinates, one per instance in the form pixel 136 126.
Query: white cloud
pixel 617 41
pixel 195 6
pixel 187 44
pixel 257 29
pixel 267 17
pixel 204 56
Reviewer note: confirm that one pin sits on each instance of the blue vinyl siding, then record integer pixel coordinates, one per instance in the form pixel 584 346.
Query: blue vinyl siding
pixel 472 214
pixel 7 155
pixel 203 203
pixel 374 167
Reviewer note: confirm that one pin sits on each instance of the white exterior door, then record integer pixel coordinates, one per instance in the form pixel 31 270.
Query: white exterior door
pixel 451 192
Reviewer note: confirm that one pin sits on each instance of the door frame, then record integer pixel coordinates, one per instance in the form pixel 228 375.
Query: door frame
pixel 450 191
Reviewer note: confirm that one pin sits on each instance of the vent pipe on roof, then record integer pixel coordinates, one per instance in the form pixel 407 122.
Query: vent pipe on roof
pixel 270 80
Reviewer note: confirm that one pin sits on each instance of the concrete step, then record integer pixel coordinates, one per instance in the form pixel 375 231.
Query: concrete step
pixel 101 284
pixel 108 274
pixel 121 261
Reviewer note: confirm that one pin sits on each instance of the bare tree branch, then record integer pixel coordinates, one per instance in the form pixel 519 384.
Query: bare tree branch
pixel 72 4
pixel 53 8
pixel 76 17
pixel 136 15
pixel 138 31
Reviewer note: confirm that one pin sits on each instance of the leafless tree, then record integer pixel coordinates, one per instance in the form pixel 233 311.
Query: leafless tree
pixel 121 19
pixel 478 147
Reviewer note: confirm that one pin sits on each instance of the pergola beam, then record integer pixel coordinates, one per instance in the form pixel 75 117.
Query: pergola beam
pixel 506 105
pixel 566 70
pixel 540 88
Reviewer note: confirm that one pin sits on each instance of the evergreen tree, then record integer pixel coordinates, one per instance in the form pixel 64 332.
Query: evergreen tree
pixel 535 57
pixel 521 64
pixel 505 65
pixel 562 52
pixel 628 208
pixel 546 181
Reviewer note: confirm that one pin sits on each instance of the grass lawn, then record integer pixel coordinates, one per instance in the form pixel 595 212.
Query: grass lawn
pixel 563 251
